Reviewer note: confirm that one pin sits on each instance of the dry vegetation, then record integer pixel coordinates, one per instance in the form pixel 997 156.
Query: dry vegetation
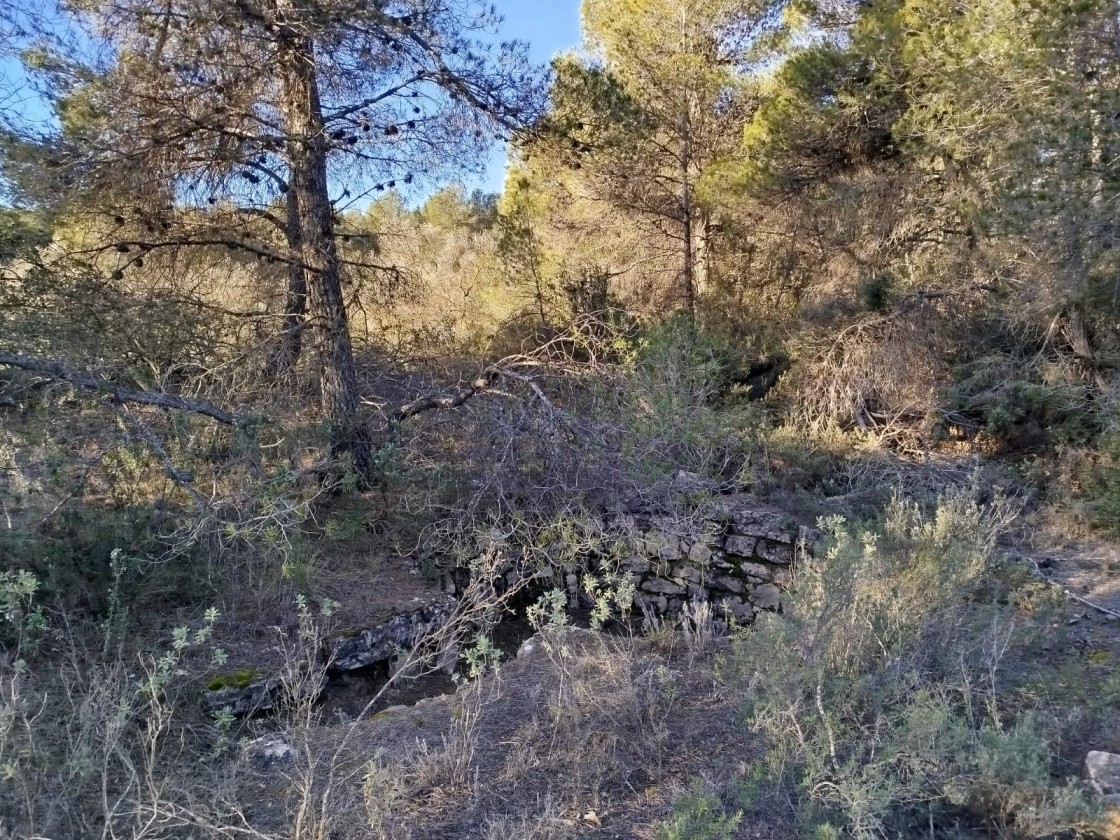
pixel 245 411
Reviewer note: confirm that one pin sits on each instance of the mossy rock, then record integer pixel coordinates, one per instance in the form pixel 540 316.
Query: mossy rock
pixel 241 678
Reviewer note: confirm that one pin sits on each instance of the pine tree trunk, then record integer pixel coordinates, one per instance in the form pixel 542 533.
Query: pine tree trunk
pixel 701 250
pixel 290 341
pixel 688 277
pixel 326 310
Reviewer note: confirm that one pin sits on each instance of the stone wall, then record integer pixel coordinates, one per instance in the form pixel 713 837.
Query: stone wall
pixel 737 555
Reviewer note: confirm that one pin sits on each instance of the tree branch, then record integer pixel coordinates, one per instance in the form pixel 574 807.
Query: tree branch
pixel 64 373
pixel 485 381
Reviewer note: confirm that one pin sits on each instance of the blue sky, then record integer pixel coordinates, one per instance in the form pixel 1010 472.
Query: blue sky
pixel 549 26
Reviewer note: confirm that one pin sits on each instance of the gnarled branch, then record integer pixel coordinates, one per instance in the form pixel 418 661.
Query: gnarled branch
pixel 118 393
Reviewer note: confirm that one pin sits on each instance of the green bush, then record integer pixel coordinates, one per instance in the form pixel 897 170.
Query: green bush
pixel 698 815
pixel 881 687
pixel 1104 486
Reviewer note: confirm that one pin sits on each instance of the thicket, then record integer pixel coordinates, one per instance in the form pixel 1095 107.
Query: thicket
pixel 827 253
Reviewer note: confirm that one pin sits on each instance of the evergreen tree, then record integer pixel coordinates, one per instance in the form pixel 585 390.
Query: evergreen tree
pixel 277 110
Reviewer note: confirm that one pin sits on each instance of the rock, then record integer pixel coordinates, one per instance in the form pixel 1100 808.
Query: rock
pixel 765 597
pixel 1104 772
pixel 775 552
pixel 649 605
pixel 782 577
pixel 747 519
pixel 269 751
pixel 728 583
pixel 738 610
pixel 740 546
pixel 755 570
pixel 809 537
pixel 688 573
pixel 640 565
pixel 529 647
pixel 664 545
pixel 719 561
pixel 347 652
pixel 662 586
pixel 260 695
pixel 699 553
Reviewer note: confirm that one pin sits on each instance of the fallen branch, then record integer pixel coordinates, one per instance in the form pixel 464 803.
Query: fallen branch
pixel 64 373
pixel 1073 596
pixel 448 399
pixel 485 381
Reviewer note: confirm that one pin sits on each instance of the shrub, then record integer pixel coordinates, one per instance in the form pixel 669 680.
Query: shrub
pixel 698 815
pixel 881 687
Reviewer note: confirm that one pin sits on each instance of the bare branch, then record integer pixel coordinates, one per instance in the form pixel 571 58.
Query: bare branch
pixel 64 373
pixel 485 381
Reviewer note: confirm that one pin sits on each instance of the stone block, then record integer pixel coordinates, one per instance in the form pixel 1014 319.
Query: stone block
pixel 736 609
pixel 662 586
pixel 728 583
pixel 766 597
pixel 688 573
pixel 700 553
pixel 775 552
pixel 664 545
pixel 740 546
pixel 755 570
pixel 636 564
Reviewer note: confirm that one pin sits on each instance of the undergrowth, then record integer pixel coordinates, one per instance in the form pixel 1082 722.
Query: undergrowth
pixel 885 688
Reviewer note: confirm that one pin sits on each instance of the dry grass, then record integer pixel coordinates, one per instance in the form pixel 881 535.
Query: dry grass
pixel 588 735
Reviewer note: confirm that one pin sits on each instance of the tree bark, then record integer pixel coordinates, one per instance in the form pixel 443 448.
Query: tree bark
pixel 688 278
pixel 290 341
pixel 326 310
pixel 701 250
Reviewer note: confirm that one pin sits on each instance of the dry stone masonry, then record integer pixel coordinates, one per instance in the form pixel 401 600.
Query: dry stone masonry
pixel 408 626
pixel 740 561
pixel 738 556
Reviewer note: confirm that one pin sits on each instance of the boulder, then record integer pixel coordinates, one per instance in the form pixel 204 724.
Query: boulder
pixel 381 642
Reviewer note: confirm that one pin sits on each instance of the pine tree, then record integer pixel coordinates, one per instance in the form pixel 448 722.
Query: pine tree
pixel 263 109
